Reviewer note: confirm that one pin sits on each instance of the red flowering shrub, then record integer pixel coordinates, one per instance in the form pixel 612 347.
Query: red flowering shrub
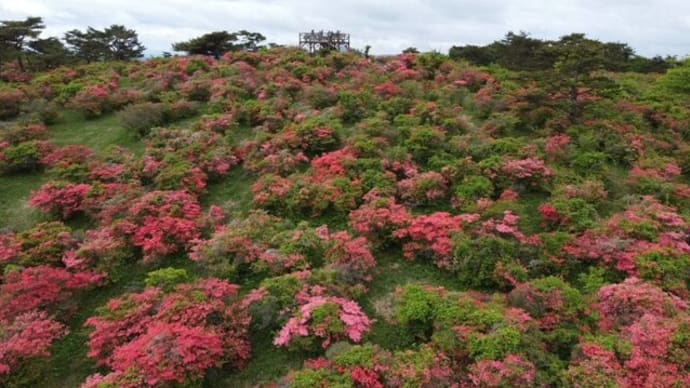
pixel 68 155
pixel 161 223
pixel 180 159
pixel 378 217
pixel 170 352
pixel 108 201
pixel 42 287
pixel 423 188
pixel 217 123
pixel 325 319
pixel 332 164
pixel 555 145
pixel 100 249
pixel 59 198
pixel 43 244
pixel 595 367
pixel 649 328
pixel 20 133
pixel 256 242
pixel 387 90
pixel 513 371
pixel 349 257
pixel 531 171
pixel 172 337
pixel 429 235
pixel 306 194
pixel 506 227
pixel 549 215
pixel 69 162
pixel 372 367
pixel 10 100
pixel 92 101
pixel 26 336
pixel 316 135
pixel 9 247
pixel 624 303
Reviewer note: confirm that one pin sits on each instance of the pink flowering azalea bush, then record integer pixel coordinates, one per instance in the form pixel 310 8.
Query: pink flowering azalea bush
pixel 44 288
pixel 322 321
pixel 45 243
pixel 423 188
pixel 650 329
pixel 532 172
pixel 379 217
pixel 181 159
pixel 69 162
pixel 171 337
pixel 35 302
pixel 513 371
pixel 26 336
pixel 349 256
pixel 161 223
pixel 430 236
pixel 58 198
pixel 258 243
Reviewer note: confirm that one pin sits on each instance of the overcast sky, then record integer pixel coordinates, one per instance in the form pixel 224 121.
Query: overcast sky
pixel 651 27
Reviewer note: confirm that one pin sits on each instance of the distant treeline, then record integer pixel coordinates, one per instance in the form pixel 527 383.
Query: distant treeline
pixel 21 43
pixel 521 52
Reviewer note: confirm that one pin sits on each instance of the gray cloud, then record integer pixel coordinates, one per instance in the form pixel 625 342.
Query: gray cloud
pixel 651 27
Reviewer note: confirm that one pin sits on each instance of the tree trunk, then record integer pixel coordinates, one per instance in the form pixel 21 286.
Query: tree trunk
pixel 20 62
pixel 574 113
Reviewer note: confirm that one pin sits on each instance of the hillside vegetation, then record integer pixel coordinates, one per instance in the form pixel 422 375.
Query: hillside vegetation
pixel 273 218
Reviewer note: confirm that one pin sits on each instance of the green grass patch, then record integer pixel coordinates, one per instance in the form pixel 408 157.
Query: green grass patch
pixel 266 365
pixel 98 134
pixel 232 192
pixel 15 214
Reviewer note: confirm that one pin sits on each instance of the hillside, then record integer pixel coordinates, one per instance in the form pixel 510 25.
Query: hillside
pixel 278 219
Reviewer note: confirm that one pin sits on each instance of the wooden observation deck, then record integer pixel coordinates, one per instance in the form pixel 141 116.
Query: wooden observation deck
pixel 316 41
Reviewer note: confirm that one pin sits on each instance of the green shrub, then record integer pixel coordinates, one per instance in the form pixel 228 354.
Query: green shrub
pixel 475 259
pixel 424 141
pixel 41 110
pixel 310 378
pixel 474 187
pixel 670 271
pixel 166 278
pixel 321 97
pixel 142 117
pixel 416 309
pixel 589 163
pixel 497 345
pixel 579 214
pixel 24 156
pixel 354 107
